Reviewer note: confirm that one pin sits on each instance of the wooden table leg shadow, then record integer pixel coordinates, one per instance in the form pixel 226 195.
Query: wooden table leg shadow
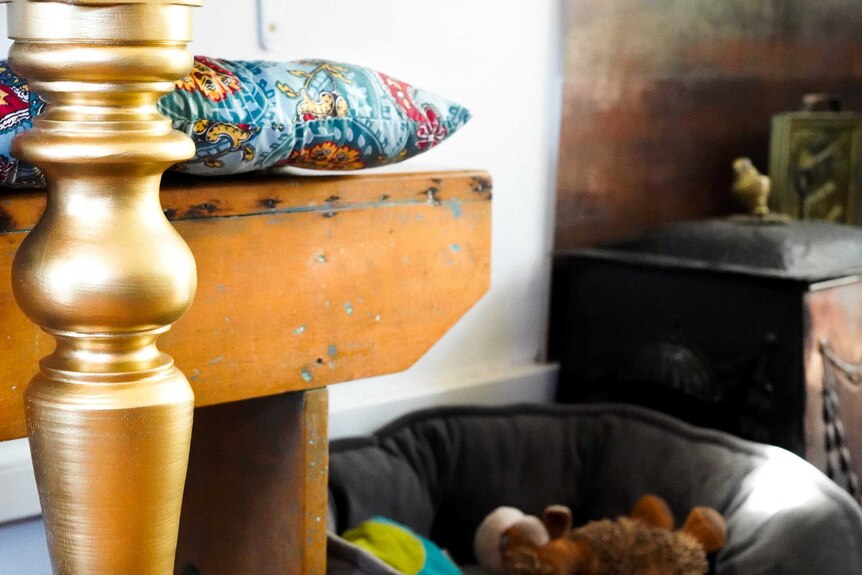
pixel 256 488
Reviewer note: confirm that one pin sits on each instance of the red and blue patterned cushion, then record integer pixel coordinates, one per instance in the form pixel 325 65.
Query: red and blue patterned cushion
pixel 254 115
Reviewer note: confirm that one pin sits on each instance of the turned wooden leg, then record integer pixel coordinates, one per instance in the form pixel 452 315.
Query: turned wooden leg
pixel 109 416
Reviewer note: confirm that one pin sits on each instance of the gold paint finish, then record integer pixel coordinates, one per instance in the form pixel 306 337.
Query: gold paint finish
pixel 109 416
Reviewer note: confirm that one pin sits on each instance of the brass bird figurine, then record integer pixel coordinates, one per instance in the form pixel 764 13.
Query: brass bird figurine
pixel 750 187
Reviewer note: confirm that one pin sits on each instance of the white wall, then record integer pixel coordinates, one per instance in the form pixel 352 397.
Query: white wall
pixel 500 58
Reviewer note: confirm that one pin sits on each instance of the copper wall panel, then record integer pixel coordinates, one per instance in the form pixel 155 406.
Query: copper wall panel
pixel 662 95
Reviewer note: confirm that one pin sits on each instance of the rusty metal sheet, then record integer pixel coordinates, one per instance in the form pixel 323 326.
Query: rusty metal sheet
pixel 662 95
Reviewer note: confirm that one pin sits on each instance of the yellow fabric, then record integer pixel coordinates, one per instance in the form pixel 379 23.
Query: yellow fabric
pixel 391 544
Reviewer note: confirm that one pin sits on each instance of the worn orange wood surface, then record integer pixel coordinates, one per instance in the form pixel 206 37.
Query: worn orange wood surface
pixel 303 282
pixel 255 497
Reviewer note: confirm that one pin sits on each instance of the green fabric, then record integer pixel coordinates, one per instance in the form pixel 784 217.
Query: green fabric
pixel 392 544
pixel 401 548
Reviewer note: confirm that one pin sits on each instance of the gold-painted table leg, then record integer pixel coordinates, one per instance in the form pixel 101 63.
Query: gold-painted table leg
pixel 109 416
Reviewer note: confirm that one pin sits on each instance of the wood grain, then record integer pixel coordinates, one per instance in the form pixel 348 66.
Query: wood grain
pixel 255 498
pixel 303 282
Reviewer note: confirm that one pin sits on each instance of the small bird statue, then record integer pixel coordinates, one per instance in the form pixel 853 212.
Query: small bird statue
pixel 750 187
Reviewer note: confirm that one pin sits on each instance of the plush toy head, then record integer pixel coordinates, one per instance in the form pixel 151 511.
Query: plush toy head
pixel 641 543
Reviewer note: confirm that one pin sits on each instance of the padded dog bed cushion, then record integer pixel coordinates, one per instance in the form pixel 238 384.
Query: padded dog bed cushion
pixel 441 471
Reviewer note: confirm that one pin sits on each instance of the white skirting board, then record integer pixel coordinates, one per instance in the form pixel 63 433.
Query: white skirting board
pixel 356 412
pixel 349 415
pixel 18 496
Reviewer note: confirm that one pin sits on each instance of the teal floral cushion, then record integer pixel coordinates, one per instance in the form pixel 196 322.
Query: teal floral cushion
pixel 246 116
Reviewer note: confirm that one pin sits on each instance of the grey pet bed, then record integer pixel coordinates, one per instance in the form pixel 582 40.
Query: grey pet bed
pixel 441 471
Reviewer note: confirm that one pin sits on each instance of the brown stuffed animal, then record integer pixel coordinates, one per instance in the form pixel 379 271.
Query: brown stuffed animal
pixel 641 544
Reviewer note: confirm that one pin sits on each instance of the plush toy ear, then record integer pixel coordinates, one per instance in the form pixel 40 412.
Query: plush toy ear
pixel 557 520
pixel 652 510
pixel 708 527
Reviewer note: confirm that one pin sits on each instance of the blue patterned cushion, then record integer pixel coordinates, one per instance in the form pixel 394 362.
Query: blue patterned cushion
pixel 246 116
